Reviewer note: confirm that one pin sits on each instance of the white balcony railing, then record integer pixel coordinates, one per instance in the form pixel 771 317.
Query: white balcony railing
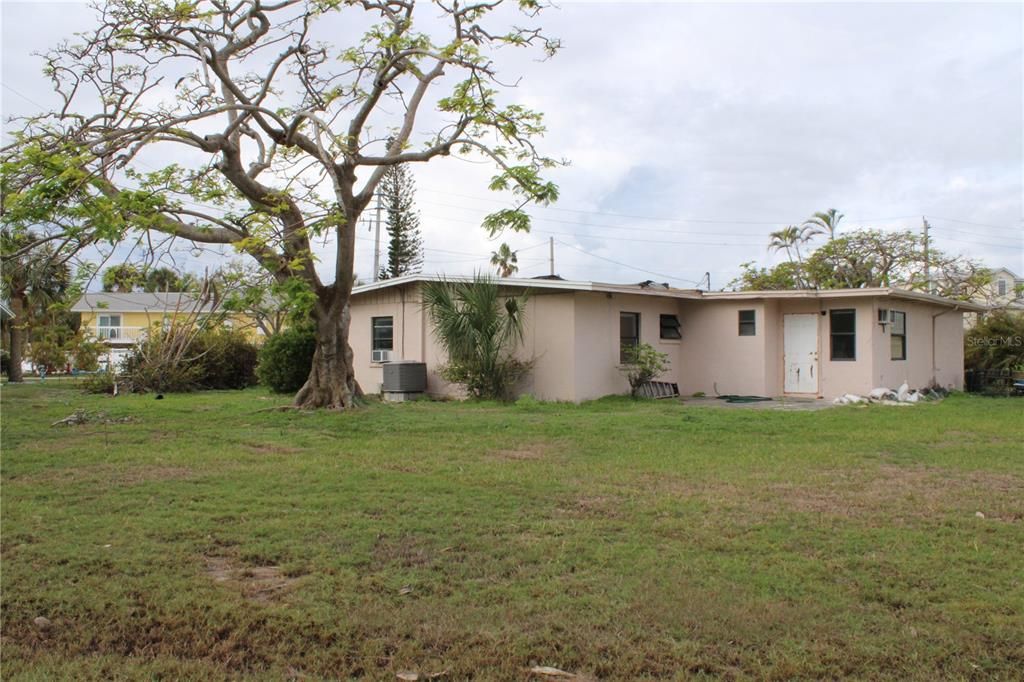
pixel 120 334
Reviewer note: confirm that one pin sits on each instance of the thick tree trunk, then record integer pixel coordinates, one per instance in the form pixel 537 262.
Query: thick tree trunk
pixel 14 373
pixel 332 381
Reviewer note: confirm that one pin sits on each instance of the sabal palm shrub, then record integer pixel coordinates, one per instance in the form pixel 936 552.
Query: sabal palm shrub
pixel 479 327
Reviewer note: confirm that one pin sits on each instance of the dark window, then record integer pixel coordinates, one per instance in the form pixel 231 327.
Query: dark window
pixel 670 327
pixel 748 324
pixel 898 335
pixel 843 325
pixel 629 333
pixel 1001 286
pixel 383 333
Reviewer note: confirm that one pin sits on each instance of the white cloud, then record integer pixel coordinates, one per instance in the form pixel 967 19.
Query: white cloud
pixel 746 113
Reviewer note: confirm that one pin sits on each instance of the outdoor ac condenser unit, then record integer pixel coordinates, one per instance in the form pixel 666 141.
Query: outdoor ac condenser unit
pixel 404 379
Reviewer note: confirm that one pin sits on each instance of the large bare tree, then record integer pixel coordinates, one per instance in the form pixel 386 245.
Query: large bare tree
pixel 254 124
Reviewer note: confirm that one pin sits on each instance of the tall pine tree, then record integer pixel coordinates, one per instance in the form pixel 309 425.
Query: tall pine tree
pixel 405 244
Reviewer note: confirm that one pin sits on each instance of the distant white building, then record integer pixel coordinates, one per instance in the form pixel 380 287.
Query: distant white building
pixel 1007 289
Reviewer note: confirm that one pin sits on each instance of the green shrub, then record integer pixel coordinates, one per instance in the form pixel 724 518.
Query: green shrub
pixel 211 359
pixel 285 360
pixel 100 382
pixel 85 352
pixel 147 369
pixel 228 359
pixel 643 363
pixel 479 327
pixel 48 353
pixel 996 343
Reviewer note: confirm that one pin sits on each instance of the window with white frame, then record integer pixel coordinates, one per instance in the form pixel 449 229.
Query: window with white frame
pixel 108 326
pixel 1001 287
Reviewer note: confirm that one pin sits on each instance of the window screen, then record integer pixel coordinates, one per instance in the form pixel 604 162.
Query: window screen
pixel 843 324
pixel 383 333
pixel 748 323
pixel 629 334
pixel 898 335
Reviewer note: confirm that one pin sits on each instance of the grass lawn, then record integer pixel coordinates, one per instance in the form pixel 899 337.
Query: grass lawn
pixel 206 539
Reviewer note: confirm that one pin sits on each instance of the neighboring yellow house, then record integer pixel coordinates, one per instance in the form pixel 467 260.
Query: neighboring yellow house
pixel 121 320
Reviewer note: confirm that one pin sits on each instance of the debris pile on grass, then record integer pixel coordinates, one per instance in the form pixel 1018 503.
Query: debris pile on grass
pixel 79 417
pixel 904 395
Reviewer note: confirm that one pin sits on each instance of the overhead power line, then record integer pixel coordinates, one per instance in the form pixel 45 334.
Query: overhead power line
pixel 627 265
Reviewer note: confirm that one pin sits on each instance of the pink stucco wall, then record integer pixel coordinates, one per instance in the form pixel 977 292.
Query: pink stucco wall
pixel 715 356
pixel 573 339
pixel 596 340
pixel 941 361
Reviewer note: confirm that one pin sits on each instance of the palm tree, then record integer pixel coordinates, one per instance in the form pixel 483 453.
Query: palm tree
pixel 124 278
pixel 785 239
pixel 34 279
pixel 478 326
pixel 165 279
pixel 822 222
pixel 789 239
pixel 505 259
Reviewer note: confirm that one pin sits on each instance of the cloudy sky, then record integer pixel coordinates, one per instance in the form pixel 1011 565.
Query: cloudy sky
pixel 694 130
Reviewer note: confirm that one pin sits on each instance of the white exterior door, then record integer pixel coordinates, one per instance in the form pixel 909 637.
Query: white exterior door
pixel 800 353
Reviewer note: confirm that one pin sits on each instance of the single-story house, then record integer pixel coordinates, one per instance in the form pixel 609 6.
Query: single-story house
pixel 811 343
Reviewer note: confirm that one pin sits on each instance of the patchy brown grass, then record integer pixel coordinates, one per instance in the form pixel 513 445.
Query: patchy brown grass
pixel 522 453
pixel 259 583
pixel 908 492
pixel 623 540
pixel 406 551
pixel 895 492
pixel 591 506
pixel 273 448
pixel 108 475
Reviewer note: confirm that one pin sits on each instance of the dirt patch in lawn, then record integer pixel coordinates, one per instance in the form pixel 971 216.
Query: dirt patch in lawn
pixel 258 583
pixel 108 474
pixel 522 453
pixel 406 551
pixel 907 492
pixel 273 448
pixel 895 492
pixel 591 506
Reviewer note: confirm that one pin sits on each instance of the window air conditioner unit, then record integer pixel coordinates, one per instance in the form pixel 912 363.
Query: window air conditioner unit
pixel 884 316
pixel 380 356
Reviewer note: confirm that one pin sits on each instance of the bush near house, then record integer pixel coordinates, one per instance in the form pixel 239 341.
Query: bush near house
pixel 228 359
pixel 996 343
pixel 479 328
pixel 211 359
pixel 643 363
pixel 285 359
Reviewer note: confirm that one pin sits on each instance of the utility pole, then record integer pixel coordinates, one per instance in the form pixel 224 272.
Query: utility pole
pixel 376 243
pixel 927 259
pixel 551 254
